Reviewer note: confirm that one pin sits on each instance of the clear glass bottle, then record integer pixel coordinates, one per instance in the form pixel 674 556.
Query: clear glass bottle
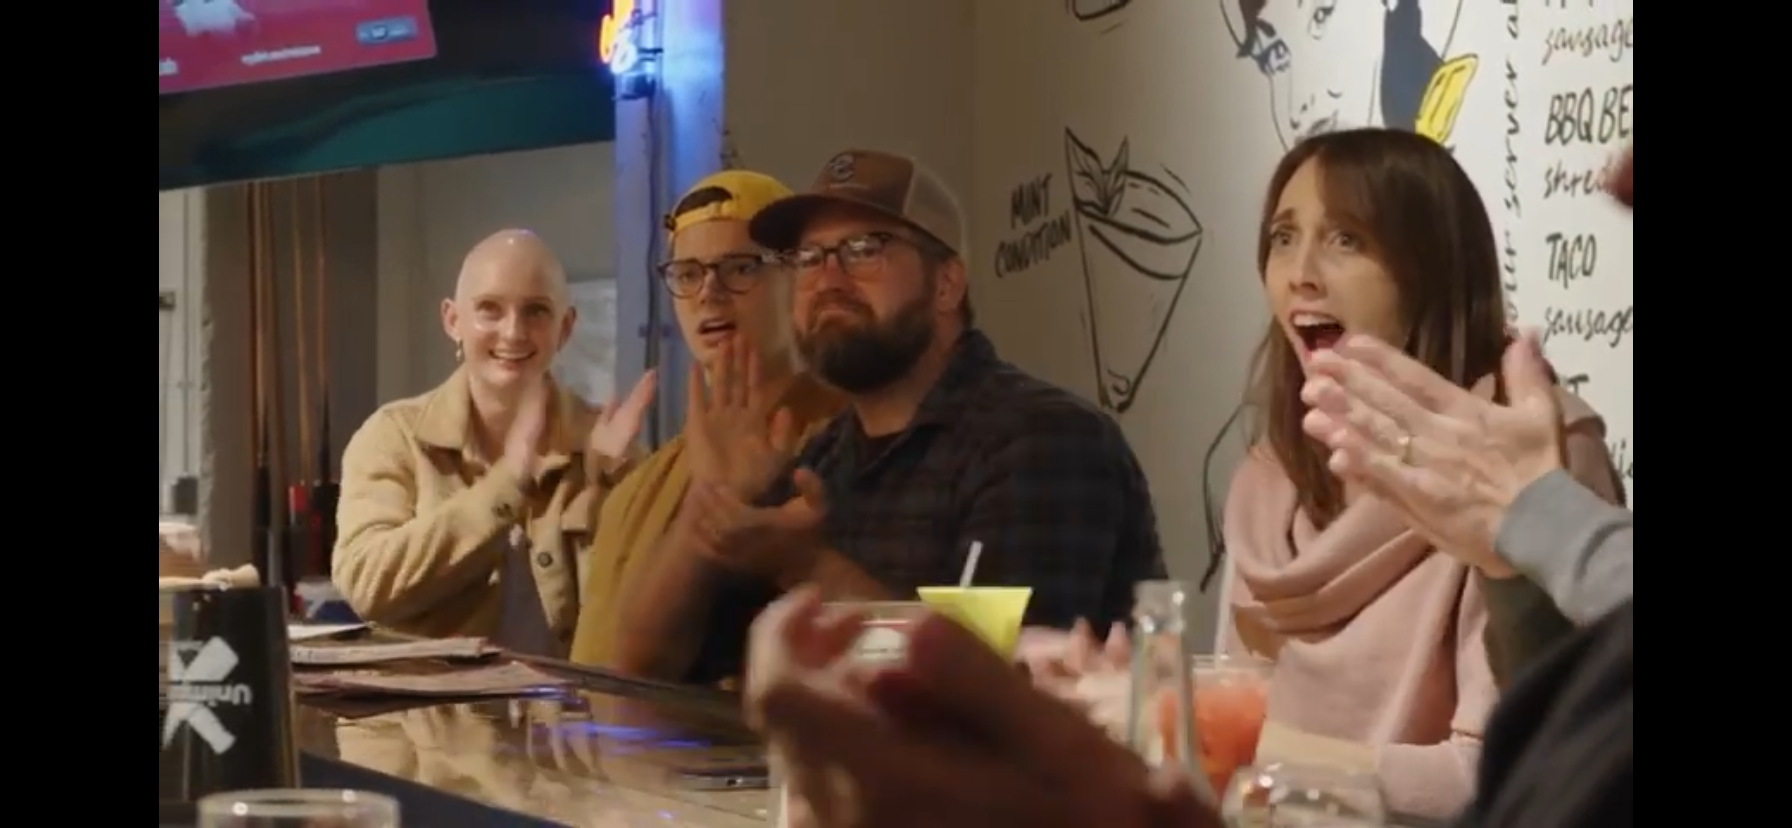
pixel 1160 720
pixel 779 802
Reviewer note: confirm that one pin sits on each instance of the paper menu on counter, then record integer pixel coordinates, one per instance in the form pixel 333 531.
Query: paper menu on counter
pixel 305 655
pixel 310 632
pixel 510 679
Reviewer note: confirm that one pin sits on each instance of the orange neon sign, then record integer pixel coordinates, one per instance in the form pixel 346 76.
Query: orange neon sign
pixel 612 28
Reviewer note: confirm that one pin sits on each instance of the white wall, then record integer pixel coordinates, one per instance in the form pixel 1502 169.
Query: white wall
pixel 891 76
pixel 1158 88
pixel 431 213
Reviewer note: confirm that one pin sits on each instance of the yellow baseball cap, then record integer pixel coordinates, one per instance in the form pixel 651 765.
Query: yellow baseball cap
pixel 729 194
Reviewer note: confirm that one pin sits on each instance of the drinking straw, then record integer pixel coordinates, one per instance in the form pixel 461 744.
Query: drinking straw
pixel 970 565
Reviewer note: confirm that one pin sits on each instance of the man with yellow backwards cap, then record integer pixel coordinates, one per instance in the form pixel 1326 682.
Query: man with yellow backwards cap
pixel 733 301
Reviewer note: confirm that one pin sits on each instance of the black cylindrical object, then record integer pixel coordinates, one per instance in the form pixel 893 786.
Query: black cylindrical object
pixel 183 496
pixel 229 718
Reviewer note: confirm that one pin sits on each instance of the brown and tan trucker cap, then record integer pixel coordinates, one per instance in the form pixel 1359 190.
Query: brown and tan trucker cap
pixel 893 185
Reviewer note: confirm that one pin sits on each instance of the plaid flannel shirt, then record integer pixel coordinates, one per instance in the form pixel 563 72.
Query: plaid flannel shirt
pixel 1042 478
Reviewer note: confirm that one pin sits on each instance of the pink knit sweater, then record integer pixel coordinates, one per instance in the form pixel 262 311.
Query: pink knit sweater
pixel 1377 637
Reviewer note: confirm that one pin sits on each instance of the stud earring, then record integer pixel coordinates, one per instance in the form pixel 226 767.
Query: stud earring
pixel 460 352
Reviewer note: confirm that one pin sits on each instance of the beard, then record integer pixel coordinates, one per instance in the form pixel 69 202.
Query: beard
pixel 862 357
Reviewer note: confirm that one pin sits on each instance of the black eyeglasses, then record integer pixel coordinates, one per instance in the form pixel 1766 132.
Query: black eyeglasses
pixel 735 273
pixel 858 255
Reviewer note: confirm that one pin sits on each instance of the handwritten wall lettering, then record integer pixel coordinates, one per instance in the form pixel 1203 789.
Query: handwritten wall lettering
pixel 1029 201
pixel 1610 327
pixel 1563 181
pixel 1030 210
pixel 1613 40
pixel 1579 63
pixel 1622 460
pixel 1590 116
pixel 1033 247
pixel 1513 208
pixel 1572 258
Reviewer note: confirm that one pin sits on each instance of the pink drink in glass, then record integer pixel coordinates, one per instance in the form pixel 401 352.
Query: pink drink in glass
pixel 1231 702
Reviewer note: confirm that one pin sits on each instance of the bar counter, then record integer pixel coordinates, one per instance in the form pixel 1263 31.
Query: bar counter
pixel 604 751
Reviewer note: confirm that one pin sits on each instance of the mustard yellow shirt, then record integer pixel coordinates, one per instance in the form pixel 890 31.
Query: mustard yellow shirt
pixel 424 524
pixel 639 512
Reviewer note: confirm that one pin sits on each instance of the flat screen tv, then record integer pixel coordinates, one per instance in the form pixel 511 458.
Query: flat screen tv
pixel 272 88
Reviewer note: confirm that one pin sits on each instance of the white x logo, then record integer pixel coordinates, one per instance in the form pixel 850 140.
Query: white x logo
pixel 212 664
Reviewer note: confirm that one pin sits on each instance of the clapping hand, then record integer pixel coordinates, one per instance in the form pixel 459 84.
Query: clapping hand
pixel 779 542
pixel 736 435
pixel 1450 460
pixel 1089 673
pixel 1055 655
pixel 952 737
pixel 617 426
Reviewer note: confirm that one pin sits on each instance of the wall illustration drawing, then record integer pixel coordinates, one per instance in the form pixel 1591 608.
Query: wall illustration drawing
pixel 1093 9
pixel 1139 240
pixel 1334 64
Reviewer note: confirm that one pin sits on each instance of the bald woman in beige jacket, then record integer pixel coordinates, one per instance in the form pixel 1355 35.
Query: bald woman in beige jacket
pixel 469 510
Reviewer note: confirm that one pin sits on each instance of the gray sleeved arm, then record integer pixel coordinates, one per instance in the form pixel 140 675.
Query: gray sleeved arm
pixel 1571 542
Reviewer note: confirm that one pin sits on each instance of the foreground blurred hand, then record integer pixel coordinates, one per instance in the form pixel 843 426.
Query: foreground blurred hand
pixel 951 738
pixel 1623 181
pixel 1052 656
pixel 1090 674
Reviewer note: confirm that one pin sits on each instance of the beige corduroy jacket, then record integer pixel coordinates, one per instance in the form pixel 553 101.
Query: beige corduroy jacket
pixel 424 524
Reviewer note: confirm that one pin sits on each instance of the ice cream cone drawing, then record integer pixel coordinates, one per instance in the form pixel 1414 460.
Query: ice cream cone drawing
pixel 1139 241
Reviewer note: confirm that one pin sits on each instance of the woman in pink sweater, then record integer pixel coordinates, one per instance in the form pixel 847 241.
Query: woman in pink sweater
pixel 1377 638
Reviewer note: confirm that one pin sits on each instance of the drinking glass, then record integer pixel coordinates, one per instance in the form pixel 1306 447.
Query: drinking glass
pixel 885 639
pixel 298 809
pixel 1231 703
pixel 1284 795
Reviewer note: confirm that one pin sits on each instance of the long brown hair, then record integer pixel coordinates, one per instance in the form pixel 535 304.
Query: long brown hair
pixel 1430 229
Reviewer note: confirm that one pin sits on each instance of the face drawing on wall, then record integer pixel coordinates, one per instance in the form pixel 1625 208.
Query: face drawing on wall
pixel 199 17
pixel 1335 64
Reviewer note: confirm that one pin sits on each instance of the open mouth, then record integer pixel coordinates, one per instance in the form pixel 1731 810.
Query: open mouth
pixel 512 358
pixel 715 327
pixel 1317 331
